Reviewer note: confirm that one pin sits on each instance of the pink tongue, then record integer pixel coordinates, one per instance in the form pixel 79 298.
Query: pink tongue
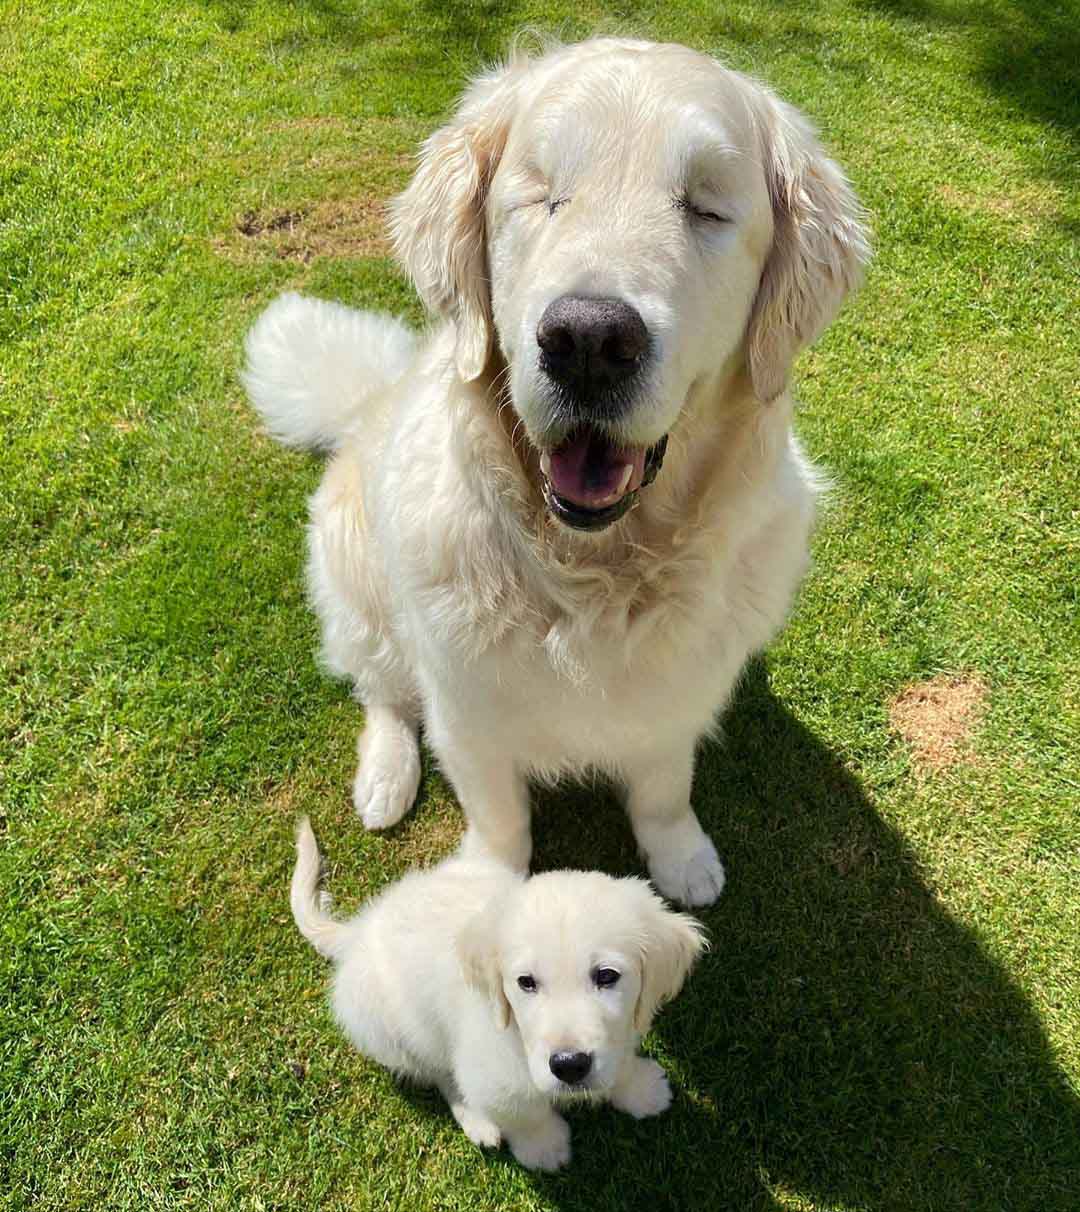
pixel 589 470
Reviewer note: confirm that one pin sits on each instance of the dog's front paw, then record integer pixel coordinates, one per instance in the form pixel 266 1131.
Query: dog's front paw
pixel 478 1128
pixel 387 780
pixel 695 880
pixel 546 1148
pixel 382 802
pixel 644 1090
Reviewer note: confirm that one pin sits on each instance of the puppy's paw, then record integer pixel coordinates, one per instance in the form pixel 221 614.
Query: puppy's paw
pixel 478 1128
pixel 387 778
pixel 644 1090
pixel 546 1148
pixel 693 881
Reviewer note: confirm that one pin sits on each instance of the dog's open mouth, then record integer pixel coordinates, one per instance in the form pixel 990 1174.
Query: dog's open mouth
pixel 590 482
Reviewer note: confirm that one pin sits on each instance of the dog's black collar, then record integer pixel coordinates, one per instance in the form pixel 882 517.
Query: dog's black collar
pixel 579 518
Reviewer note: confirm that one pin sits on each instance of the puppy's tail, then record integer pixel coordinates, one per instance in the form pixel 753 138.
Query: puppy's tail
pixel 312 365
pixel 321 930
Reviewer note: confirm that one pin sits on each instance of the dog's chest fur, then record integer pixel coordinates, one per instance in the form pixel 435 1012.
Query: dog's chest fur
pixel 577 653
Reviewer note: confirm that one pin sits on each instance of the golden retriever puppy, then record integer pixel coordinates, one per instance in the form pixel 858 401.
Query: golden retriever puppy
pixel 554 528
pixel 510 995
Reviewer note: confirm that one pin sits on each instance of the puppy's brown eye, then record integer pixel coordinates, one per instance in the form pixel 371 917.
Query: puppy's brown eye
pixel 527 984
pixel 604 978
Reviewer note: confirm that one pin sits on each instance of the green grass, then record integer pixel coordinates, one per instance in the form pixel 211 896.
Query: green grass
pixel 890 1016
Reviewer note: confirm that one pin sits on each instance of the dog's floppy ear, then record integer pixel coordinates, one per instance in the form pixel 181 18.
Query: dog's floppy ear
pixel 670 945
pixel 478 953
pixel 819 250
pixel 437 224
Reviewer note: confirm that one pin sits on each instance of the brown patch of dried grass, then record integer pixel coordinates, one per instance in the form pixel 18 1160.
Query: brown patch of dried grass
pixel 343 227
pixel 937 717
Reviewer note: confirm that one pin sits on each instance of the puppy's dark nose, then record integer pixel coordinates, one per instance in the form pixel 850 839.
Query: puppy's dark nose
pixel 590 344
pixel 571 1067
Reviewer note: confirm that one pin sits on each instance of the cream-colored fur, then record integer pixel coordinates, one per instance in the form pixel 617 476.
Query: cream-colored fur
pixel 428 982
pixel 446 591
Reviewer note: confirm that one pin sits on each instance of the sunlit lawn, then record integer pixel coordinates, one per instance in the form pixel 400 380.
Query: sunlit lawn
pixel 890 1015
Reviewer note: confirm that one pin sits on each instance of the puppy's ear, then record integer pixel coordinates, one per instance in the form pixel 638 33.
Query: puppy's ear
pixel 819 251
pixel 437 224
pixel 670 945
pixel 478 954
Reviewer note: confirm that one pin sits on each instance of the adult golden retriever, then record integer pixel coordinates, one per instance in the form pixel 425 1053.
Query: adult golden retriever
pixel 554 529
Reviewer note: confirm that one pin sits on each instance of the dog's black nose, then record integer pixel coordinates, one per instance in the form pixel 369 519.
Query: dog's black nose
pixel 590 344
pixel 571 1067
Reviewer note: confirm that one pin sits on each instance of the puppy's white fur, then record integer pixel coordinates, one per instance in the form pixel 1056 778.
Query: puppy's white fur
pixel 427 983
pixel 446 591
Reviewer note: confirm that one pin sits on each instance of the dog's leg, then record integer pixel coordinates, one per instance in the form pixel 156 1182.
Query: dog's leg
pixel 352 597
pixel 540 1141
pixel 496 806
pixel 493 795
pixel 682 860
pixel 388 773
pixel 479 1128
pixel 641 1088
pixel 504 1096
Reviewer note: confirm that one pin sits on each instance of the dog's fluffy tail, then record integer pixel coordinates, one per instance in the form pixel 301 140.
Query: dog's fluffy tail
pixel 324 932
pixel 311 365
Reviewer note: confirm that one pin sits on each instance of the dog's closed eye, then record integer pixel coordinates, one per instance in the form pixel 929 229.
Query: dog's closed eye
pixel 703 213
pixel 605 978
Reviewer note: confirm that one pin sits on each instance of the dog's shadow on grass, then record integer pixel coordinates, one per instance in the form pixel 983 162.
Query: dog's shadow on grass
pixel 846 1042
